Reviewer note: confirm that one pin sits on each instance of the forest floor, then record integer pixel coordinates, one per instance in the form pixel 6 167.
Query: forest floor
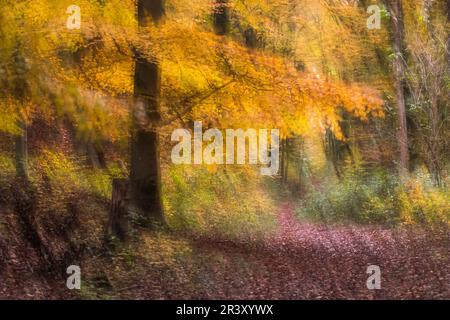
pixel 300 260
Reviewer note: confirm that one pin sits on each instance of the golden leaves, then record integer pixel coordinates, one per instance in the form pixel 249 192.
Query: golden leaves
pixel 216 79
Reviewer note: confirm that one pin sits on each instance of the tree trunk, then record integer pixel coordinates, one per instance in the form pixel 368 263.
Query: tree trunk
pixel 145 176
pixel 448 39
pixel 435 142
pixel 285 155
pixel 21 152
pixel 96 156
pixel 397 24
pixel 282 160
pixel 20 92
pixel 118 224
pixel 220 17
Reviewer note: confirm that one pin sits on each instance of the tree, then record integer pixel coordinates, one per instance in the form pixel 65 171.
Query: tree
pixel 145 175
pixel 221 17
pixel 398 44
pixel 448 19
pixel 427 76
pixel 20 92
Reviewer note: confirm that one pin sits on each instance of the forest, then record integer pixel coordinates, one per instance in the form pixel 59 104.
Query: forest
pixel 224 149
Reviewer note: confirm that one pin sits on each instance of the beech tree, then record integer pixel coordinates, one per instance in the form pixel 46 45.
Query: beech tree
pixel 145 175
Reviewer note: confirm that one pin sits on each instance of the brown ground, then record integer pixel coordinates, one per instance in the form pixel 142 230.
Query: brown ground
pixel 299 261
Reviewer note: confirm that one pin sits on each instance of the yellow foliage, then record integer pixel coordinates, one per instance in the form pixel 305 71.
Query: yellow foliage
pixel 87 74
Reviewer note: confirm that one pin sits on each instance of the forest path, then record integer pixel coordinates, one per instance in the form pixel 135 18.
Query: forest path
pixel 301 260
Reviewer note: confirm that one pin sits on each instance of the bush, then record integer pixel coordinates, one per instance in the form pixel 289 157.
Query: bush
pixel 377 197
pixel 207 199
pixel 7 173
pixel 64 175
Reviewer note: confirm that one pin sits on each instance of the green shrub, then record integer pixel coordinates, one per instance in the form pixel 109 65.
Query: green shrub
pixel 59 181
pixel 7 172
pixel 377 197
pixel 206 199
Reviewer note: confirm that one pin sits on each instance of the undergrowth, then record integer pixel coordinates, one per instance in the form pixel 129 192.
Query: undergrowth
pixel 218 200
pixel 377 197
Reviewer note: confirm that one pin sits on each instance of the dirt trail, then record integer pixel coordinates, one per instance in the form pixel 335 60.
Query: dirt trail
pixel 304 261
pixel 414 263
pixel 300 261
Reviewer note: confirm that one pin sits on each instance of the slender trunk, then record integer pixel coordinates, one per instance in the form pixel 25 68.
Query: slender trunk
pixel 285 160
pixel 145 176
pixel 435 140
pixel 397 24
pixel 21 152
pixel 300 176
pixel 300 147
pixel 20 92
pixel 447 47
pixel 448 37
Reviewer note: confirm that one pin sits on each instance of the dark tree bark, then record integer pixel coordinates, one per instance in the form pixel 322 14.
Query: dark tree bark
pixel 118 224
pixel 251 39
pixel 221 17
pixel 398 43
pixel 339 151
pixel 145 177
pixel 21 152
pixel 20 92
pixel 284 160
pixel 448 10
